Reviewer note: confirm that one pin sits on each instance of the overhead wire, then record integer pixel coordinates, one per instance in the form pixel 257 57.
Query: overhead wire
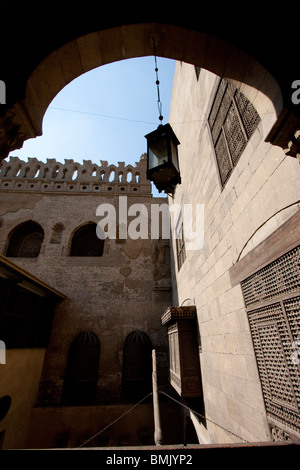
pixel 115 421
pixel 99 115
pixel 201 416
pixel 127 119
pixel 171 398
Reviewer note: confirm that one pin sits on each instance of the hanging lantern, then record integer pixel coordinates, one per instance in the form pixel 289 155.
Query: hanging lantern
pixel 162 154
pixel 162 158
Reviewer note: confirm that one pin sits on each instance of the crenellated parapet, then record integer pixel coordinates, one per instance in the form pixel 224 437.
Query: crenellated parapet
pixel 17 174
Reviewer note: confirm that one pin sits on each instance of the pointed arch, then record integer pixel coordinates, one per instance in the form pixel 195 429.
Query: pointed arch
pixel 137 365
pixel 85 241
pixel 209 51
pixel 25 240
pixel 82 369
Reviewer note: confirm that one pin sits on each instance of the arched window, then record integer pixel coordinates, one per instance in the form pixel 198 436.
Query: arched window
pixel 232 121
pixel 137 365
pixel 26 240
pixel 86 243
pixel 80 383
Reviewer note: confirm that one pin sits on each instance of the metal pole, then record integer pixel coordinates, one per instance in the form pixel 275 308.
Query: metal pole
pixel 157 428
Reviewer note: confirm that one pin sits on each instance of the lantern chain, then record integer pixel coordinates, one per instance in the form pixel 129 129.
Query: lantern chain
pixel 159 103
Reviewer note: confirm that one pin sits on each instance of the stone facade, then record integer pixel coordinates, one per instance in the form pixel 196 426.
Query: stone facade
pixel 258 198
pixel 123 291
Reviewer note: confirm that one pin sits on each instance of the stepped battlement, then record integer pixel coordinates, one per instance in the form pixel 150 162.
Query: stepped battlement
pixel 17 174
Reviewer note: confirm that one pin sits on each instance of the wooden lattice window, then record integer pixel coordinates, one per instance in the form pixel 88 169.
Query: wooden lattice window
pixel 26 241
pixel 184 371
pixel 272 298
pixel 232 121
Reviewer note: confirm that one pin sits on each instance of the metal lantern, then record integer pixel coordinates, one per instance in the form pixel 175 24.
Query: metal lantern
pixel 162 158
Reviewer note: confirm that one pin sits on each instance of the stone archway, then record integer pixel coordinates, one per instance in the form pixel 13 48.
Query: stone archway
pixel 69 61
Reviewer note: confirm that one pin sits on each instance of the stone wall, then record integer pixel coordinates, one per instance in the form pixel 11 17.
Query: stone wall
pixel 112 426
pixel 260 195
pixel 125 289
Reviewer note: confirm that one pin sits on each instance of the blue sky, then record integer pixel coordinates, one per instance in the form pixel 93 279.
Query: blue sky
pixel 105 114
